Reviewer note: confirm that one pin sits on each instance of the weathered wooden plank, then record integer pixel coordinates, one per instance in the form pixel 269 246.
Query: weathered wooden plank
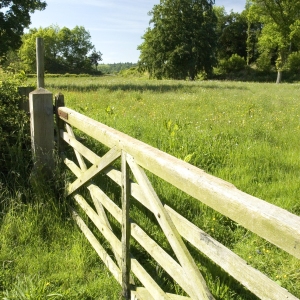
pixel 78 155
pixel 147 281
pixel 258 283
pixel 140 293
pixel 275 224
pixel 73 167
pixel 233 264
pixel 110 264
pixel 105 160
pixel 136 267
pixel 192 272
pixel 79 147
pixel 101 213
pixel 161 256
pixel 103 228
pixel 125 228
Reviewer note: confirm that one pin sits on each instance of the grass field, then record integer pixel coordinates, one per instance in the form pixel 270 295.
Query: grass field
pixel 245 133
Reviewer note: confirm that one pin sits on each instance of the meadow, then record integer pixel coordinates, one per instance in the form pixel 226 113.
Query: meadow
pixel 245 133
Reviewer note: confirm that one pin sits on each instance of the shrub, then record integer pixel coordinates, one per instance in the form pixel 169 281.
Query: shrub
pixel 131 72
pixel 293 62
pixel 234 64
pixel 14 127
pixel 263 63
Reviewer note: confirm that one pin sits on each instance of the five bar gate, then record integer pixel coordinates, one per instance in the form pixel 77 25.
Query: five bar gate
pixel 272 223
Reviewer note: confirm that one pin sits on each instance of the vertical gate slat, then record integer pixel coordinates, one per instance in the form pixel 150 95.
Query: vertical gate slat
pixel 125 228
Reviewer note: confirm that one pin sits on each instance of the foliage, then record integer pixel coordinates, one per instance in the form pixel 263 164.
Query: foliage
pixel 95 57
pixel 12 63
pixel 293 62
pixel 14 129
pixel 263 62
pixel 181 41
pixel 132 72
pixel 234 64
pixel 295 33
pixel 14 17
pixel 254 27
pixel 231 33
pixel 66 50
pixel 279 18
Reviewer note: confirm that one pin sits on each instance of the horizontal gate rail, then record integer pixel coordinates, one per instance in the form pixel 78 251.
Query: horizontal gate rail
pixel 275 224
pixel 272 223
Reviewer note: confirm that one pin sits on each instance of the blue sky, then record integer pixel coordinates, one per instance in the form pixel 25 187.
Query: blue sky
pixel 116 26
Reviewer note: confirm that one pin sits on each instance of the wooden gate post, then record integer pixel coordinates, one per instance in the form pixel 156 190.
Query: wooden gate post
pixel 40 62
pixel 42 129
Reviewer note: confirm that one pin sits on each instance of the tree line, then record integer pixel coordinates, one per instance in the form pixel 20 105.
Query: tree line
pixel 66 50
pixel 185 39
pixel 191 37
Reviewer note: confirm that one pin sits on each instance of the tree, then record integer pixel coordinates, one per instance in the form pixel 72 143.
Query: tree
pixel 66 50
pixel 254 27
pixel 75 45
pixel 95 57
pixel 232 36
pixel 14 18
pixel 182 40
pixel 279 18
pixel 52 47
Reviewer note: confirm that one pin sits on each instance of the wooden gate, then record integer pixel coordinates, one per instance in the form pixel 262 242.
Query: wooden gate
pixel 134 157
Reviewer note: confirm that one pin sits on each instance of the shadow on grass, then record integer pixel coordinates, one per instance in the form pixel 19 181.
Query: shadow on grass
pixel 158 87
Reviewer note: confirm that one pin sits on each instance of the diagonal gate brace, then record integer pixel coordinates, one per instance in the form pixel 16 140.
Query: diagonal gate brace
pixel 107 159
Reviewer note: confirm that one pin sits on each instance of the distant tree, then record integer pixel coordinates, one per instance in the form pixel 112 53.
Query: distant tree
pixel 280 20
pixel 75 45
pixel 232 34
pixel 53 58
pixel 66 50
pixel 14 17
pixel 254 27
pixel 95 57
pixel 181 41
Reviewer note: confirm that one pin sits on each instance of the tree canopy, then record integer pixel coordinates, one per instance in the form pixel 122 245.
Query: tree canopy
pixel 231 33
pixel 181 40
pixel 66 50
pixel 14 18
pixel 280 21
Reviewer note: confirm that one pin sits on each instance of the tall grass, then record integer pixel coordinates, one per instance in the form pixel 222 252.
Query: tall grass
pixel 245 133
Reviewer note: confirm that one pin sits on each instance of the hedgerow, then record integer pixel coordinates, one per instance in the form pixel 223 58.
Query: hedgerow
pixel 14 129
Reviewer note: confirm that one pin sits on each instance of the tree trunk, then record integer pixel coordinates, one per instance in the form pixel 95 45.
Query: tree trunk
pixel 279 76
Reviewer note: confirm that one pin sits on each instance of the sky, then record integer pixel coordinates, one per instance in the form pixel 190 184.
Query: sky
pixel 116 26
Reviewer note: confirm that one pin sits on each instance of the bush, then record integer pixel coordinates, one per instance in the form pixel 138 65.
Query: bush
pixel 14 128
pixel 293 62
pixel 131 72
pixel 234 64
pixel 263 63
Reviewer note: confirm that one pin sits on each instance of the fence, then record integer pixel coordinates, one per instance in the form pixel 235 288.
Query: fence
pixel 125 163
